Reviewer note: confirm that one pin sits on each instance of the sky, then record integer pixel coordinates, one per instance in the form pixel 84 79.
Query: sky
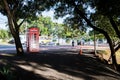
pixel 3 21
pixel 51 14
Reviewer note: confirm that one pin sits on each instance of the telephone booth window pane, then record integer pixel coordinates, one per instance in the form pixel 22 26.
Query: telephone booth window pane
pixel 35 37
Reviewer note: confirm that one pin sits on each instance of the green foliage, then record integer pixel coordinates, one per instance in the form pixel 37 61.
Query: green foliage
pixel 5 71
pixel 107 7
pixel 103 23
pixel 73 19
pixel 107 15
pixel 47 27
pixel 43 23
pixel 24 8
pixel 102 13
pixel 73 33
pixel 97 35
pixel 58 30
pixel 4 34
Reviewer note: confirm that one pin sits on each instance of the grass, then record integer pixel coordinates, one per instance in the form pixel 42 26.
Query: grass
pixel 106 54
pixel 118 56
pixel 102 52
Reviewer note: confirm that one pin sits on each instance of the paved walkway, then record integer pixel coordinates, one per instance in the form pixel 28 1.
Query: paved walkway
pixel 58 65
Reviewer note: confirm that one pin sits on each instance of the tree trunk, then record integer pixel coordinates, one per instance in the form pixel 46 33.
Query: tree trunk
pixel 14 29
pixel 18 44
pixel 114 62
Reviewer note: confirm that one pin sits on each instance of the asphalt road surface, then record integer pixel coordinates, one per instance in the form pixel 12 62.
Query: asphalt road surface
pixel 10 48
pixel 60 63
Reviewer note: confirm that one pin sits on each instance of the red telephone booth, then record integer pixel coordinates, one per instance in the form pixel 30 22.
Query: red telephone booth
pixel 33 39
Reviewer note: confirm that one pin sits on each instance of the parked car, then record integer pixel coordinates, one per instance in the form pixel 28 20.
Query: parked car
pixel 51 43
pixel 22 38
pixel 11 41
pixel 44 41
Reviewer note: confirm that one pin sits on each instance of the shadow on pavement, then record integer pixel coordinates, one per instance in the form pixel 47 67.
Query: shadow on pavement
pixel 62 65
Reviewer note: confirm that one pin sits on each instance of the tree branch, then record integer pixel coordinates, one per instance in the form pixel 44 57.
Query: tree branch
pixel 114 26
pixel 89 22
pixel 15 7
pixel 21 22
pixel 117 47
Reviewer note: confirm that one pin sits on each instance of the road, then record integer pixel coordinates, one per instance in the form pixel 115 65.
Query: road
pixel 11 47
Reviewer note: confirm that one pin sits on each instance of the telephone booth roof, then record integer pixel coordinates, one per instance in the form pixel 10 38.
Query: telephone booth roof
pixel 33 29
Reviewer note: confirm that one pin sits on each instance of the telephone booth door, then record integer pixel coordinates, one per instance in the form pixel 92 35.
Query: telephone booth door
pixel 33 39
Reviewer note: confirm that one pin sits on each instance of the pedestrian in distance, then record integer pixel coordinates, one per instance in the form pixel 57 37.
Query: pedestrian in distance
pixel 73 43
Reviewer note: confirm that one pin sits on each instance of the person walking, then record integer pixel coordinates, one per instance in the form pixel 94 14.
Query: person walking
pixel 73 43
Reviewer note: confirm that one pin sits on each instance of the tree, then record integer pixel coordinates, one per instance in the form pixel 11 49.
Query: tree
pixel 104 23
pixel 20 9
pixel 111 10
pixel 80 15
pixel 97 34
pixel 45 24
pixel 108 14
